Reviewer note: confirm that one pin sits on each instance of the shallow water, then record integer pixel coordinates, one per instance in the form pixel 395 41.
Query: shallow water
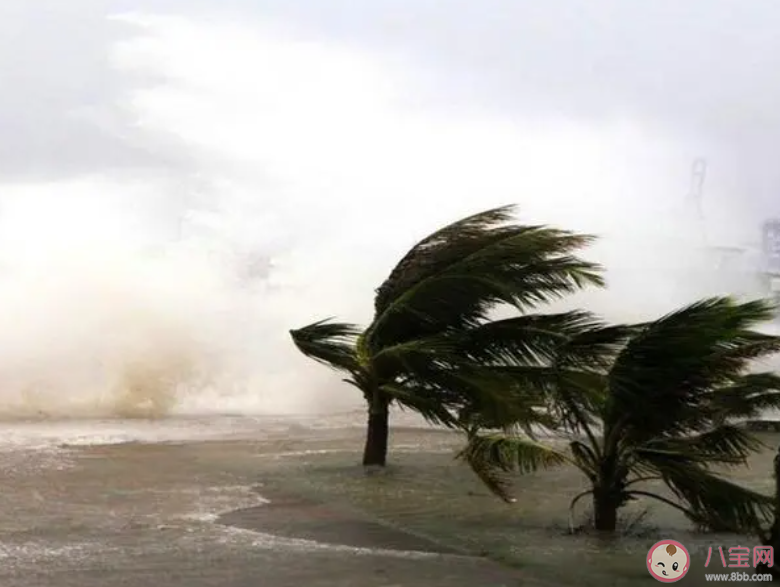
pixel 126 502
pixel 93 503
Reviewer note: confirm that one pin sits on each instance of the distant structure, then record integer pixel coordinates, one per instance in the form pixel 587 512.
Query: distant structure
pixel 725 263
pixel 770 243
pixel 723 255
pixel 696 196
pixel 770 247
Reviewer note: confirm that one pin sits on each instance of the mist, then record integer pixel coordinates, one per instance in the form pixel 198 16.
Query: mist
pixel 301 169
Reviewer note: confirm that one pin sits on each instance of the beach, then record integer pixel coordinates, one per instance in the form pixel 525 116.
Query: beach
pixel 283 501
pixel 129 503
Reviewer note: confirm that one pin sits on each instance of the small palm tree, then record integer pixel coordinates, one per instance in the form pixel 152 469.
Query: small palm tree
pixel 653 401
pixel 422 348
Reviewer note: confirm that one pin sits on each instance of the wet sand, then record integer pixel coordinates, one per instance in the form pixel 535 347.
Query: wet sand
pixel 197 513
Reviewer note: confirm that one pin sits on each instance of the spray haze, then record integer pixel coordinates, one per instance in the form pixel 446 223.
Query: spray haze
pixel 322 163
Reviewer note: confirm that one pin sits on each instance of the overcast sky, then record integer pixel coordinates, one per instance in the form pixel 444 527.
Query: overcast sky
pixel 330 135
pixel 700 68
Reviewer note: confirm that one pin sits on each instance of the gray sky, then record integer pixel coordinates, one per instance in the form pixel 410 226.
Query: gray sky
pixel 323 172
pixel 702 68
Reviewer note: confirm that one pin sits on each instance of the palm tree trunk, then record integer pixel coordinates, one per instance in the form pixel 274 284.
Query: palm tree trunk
pixel 375 451
pixel 604 511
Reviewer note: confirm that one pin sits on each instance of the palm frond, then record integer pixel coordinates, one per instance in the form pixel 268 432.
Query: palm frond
pixel 330 343
pixel 492 457
pixel 748 396
pixel 661 381
pixel 726 444
pixel 586 459
pixel 454 277
pixel 524 340
pixel 415 356
pixel 595 346
pixel 716 502
pixel 424 400
pixel 475 392
pixel 563 358
pixel 530 415
pixel 502 369
pixel 582 364
pixel 574 397
pixel 421 259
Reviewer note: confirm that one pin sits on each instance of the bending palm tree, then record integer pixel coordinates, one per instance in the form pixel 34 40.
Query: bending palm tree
pixel 436 305
pixel 658 408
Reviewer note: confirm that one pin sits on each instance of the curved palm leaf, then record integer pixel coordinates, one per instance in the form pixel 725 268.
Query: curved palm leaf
pixel 452 279
pixel 424 400
pixel 748 396
pixel 417 263
pixel 493 456
pixel 662 393
pixel 661 382
pixel 432 346
pixel 583 364
pixel 331 343
pixel 467 389
pixel 565 357
pixel 528 339
pixel 716 502
pixel 726 444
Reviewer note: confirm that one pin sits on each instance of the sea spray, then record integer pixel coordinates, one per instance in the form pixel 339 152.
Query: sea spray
pixel 318 165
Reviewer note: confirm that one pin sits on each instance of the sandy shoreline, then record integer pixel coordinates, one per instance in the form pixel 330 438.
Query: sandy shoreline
pixel 189 513
pixel 289 504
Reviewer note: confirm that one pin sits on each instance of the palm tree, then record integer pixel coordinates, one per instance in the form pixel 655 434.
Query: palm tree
pixel 652 401
pixel 434 310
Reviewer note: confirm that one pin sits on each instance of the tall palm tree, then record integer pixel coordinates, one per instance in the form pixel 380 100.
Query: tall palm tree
pixel 433 312
pixel 658 404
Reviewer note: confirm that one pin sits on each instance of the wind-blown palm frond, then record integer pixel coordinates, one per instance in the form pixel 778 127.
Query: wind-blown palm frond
pixel 493 456
pixel 499 373
pixel 330 343
pixel 418 263
pixel 595 346
pixel 422 400
pixel 563 358
pixel 654 401
pixel 529 339
pixel 748 396
pixel 452 279
pixel 713 501
pixel 726 444
pixel 660 382
pixel 517 409
pixel 468 389
pixel 433 346
pixel 586 459
pixel 582 364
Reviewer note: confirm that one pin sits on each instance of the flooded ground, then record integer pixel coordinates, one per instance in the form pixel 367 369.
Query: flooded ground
pixel 282 502
pixel 130 503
